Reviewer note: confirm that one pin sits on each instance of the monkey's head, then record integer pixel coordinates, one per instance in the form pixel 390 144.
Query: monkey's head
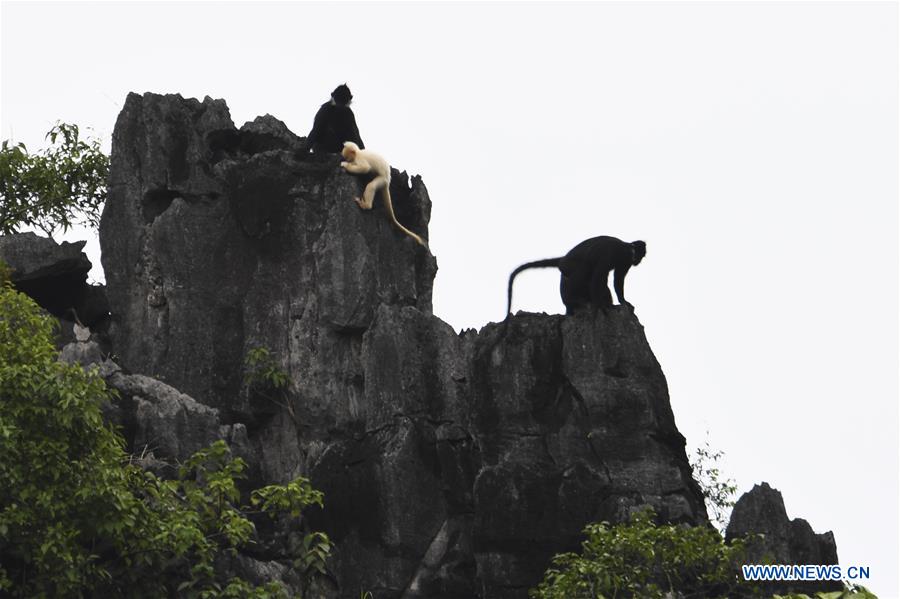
pixel 341 95
pixel 349 151
pixel 640 250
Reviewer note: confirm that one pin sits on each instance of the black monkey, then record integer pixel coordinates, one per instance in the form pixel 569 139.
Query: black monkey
pixel 584 271
pixel 334 124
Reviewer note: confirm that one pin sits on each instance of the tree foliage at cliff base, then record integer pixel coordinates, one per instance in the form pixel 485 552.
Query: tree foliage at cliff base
pixel 642 559
pixel 79 519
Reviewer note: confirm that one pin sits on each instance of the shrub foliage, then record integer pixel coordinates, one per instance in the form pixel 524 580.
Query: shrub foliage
pixel 641 559
pixel 79 519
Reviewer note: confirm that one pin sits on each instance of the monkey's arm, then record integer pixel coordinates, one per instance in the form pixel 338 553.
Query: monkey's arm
pixel 619 284
pixel 357 167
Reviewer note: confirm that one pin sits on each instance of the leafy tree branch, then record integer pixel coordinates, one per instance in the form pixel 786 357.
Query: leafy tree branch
pixel 60 186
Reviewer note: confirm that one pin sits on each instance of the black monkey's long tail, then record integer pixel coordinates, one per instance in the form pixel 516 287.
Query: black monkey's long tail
pixel 548 263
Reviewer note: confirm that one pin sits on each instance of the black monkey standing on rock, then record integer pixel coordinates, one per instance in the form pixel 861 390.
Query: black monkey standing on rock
pixel 584 271
pixel 334 124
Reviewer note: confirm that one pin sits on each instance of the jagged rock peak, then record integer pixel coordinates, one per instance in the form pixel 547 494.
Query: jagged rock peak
pixel 761 511
pixel 32 256
pixel 207 247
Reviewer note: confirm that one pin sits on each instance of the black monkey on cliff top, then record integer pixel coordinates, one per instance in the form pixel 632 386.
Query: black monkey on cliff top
pixel 334 124
pixel 584 271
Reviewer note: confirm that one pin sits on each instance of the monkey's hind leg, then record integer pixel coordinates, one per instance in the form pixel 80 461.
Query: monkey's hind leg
pixel 574 288
pixel 599 289
pixel 369 194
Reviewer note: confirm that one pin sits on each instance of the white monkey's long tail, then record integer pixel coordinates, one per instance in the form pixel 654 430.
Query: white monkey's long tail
pixel 390 209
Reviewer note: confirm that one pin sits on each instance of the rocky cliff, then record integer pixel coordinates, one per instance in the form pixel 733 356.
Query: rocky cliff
pixel 453 465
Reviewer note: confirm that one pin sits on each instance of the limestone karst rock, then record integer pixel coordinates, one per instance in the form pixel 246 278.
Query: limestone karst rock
pixel 454 465
pixel 34 258
pixel 55 275
pixel 760 512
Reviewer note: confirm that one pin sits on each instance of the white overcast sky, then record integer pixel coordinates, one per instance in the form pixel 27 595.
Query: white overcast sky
pixel 752 145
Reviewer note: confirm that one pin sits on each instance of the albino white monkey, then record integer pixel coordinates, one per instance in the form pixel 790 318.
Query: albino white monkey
pixel 361 162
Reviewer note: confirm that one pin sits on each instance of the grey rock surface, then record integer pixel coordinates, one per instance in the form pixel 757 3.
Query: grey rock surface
pixel 452 465
pixel 573 425
pixel 158 421
pixel 268 133
pixel 32 256
pixel 166 422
